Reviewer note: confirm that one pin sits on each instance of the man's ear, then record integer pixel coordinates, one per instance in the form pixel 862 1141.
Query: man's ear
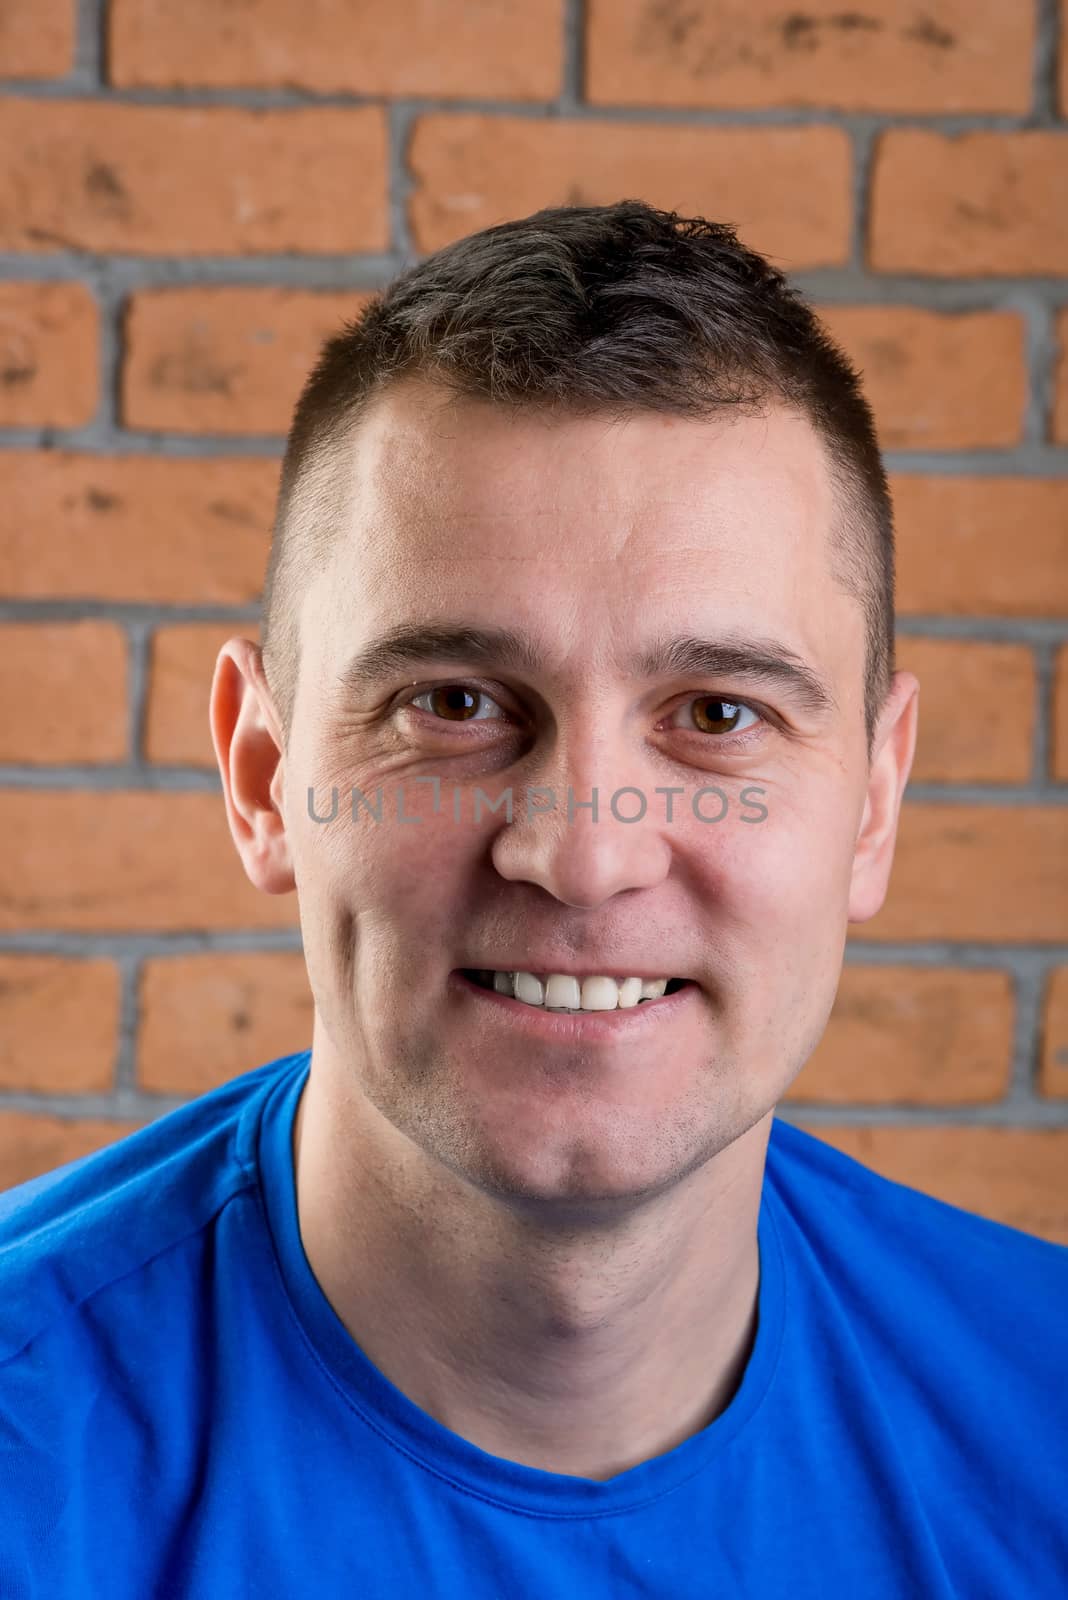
pixel 891 763
pixel 250 749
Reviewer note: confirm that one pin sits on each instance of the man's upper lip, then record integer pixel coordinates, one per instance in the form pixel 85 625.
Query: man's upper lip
pixel 533 962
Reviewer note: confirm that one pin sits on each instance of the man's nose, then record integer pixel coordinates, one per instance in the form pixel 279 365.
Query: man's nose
pixel 605 832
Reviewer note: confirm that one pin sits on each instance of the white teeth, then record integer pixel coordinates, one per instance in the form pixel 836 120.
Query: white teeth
pixel 563 992
pixel 630 991
pixel 600 994
pixel 529 988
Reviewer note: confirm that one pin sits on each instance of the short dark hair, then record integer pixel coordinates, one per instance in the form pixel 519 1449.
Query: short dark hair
pixel 612 309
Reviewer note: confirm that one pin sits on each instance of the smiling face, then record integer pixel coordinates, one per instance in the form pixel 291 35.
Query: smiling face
pixel 594 540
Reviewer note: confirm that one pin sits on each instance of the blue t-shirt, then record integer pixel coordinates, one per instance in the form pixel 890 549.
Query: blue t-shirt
pixel 182 1413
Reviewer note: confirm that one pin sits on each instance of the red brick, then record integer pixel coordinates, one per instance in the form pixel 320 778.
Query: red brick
pixel 118 860
pixel 206 1018
pixel 406 48
pixel 36 38
pixel 787 190
pixel 1059 752
pixel 64 687
pixel 224 360
pixel 981 546
pixel 953 55
pixel 182 665
pixel 1060 398
pixel 135 527
pixel 919 1035
pixel 971 204
pixel 937 380
pixel 976 872
pixel 194 180
pixel 1011 1175
pixel 1053 1070
pixel 977 710
pixel 48 355
pixel 61 1024
pixel 32 1144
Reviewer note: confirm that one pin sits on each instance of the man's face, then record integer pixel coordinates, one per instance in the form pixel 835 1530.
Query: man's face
pixel 595 539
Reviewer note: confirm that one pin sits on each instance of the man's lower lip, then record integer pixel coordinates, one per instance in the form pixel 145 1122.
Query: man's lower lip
pixel 587 1027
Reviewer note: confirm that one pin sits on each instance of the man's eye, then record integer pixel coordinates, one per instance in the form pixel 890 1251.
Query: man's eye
pixel 714 714
pixel 453 702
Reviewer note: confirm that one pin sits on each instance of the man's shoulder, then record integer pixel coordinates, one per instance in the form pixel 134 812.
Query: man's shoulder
pixel 71 1232
pixel 841 1192
pixel 904 1257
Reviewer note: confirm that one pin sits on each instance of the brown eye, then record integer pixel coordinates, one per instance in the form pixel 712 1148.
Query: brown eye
pixel 454 702
pixel 712 713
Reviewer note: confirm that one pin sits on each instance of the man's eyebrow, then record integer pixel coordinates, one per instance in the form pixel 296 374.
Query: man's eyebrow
pixel 759 660
pixel 733 656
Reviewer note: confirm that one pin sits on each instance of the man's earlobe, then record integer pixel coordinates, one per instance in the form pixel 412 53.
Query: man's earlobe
pixel 246 733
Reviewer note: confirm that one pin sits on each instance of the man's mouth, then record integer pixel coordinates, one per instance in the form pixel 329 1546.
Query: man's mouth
pixel 566 992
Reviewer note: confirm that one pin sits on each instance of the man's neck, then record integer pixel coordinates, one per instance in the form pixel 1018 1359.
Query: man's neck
pixel 584 1356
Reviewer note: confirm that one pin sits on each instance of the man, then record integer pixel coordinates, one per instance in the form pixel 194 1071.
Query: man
pixel 514 1285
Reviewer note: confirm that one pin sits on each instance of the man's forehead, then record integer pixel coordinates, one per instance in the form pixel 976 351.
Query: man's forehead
pixel 450 480
pixel 440 453
pixel 425 542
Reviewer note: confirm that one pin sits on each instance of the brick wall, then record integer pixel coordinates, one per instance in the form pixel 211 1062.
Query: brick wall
pixel 192 196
